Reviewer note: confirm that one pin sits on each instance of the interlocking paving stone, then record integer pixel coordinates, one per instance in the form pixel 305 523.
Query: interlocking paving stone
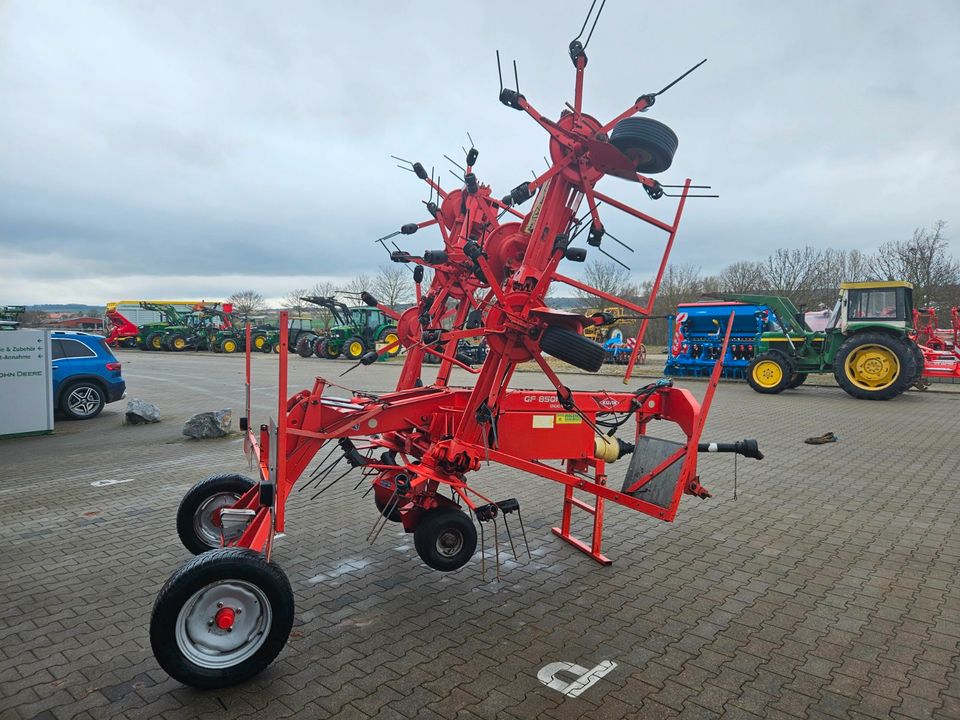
pixel 828 589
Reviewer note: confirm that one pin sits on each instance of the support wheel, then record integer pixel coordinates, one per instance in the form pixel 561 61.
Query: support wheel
pixel 445 539
pixel 649 144
pixel 198 517
pixel 770 373
pixel 875 366
pixel 354 348
pixel 221 618
pixel 572 347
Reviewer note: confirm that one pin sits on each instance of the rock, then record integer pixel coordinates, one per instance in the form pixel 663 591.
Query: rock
pixel 141 413
pixel 209 424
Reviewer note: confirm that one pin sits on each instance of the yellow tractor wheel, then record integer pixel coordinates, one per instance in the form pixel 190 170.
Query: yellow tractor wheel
pixel 229 346
pixel 354 349
pixel 179 343
pixel 770 373
pixel 390 338
pixel 156 342
pixel 875 365
pixel 259 341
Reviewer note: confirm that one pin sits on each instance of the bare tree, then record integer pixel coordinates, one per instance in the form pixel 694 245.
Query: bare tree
pixel 923 260
pixel 247 303
pixel 293 301
pixel 745 276
pixel 608 277
pixel 681 283
pixel 355 286
pixel 393 285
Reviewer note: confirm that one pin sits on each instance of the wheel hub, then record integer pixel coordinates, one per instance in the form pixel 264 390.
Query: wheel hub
pixel 223 624
pixel 449 543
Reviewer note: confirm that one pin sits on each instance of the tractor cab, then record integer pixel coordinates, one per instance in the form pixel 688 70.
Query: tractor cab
pixel 885 304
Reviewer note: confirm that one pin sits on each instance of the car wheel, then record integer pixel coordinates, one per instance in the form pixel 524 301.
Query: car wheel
pixel 82 401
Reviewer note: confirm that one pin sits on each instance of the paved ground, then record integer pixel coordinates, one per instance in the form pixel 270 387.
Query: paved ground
pixel 828 588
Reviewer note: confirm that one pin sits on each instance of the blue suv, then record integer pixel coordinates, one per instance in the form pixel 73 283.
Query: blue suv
pixel 86 374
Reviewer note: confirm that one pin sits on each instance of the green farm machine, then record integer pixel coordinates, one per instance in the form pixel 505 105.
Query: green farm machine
pixel 355 331
pixel 10 316
pixel 868 343
pixel 150 335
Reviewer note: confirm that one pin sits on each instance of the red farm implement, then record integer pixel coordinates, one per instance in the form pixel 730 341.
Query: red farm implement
pixel 123 333
pixel 940 346
pixel 225 615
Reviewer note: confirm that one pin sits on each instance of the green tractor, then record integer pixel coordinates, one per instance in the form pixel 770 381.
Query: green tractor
pixel 197 330
pixel 10 316
pixel 355 331
pixel 150 335
pixel 867 344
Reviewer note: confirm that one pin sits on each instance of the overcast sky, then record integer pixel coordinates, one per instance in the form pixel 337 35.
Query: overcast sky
pixel 197 148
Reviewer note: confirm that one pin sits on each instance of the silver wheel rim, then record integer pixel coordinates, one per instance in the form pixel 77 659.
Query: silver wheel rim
pixel 204 643
pixel 449 542
pixel 83 400
pixel 203 523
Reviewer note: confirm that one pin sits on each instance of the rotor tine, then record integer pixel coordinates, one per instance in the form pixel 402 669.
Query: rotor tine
pixel 523 530
pixel 401 160
pixel 609 256
pixel 496 546
pixel 330 485
pixel 510 538
pixel 402 167
pixel 472 145
pixel 483 551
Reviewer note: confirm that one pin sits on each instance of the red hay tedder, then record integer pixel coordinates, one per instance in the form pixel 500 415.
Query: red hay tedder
pixel 226 614
pixel 940 346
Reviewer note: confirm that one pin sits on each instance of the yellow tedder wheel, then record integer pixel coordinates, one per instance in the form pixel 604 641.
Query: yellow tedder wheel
pixel 229 346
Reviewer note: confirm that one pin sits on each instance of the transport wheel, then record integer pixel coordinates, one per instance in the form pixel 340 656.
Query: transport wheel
pixel 445 539
pixel 177 343
pixel 221 618
pixel 229 346
pixel 305 345
pixel 874 366
pixel 381 498
pixel 389 336
pixel 650 144
pixel 82 401
pixel 797 380
pixel 573 348
pixel 198 517
pixel 770 373
pixel 354 348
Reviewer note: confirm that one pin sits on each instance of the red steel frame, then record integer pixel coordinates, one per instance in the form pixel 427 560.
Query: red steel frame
pixel 419 439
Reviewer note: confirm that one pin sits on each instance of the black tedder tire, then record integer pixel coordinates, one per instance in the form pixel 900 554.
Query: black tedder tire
pixel 230 585
pixel 649 143
pixel 770 373
pixel 445 539
pixel 797 380
pixel 195 525
pixel 305 345
pixel 573 348
pixel 875 366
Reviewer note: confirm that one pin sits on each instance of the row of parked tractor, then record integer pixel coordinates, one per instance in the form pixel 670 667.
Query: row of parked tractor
pixel 210 326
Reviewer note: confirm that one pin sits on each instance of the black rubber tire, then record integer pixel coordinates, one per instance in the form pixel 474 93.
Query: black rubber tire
pixel 573 348
pixel 918 359
pixel 649 143
pixel 149 340
pixel 786 369
pixel 91 397
pixel 331 351
pixel 897 345
pixel 171 342
pixel 442 525
pixel 797 380
pixel 205 570
pixel 191 504
pixel 305 345
pixel 266 348
pixel 347 348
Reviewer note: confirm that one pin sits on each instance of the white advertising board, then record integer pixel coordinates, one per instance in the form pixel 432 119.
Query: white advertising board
pixel 26 386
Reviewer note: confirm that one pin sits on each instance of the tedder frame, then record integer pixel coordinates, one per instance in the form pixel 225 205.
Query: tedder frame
pixel 225 615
